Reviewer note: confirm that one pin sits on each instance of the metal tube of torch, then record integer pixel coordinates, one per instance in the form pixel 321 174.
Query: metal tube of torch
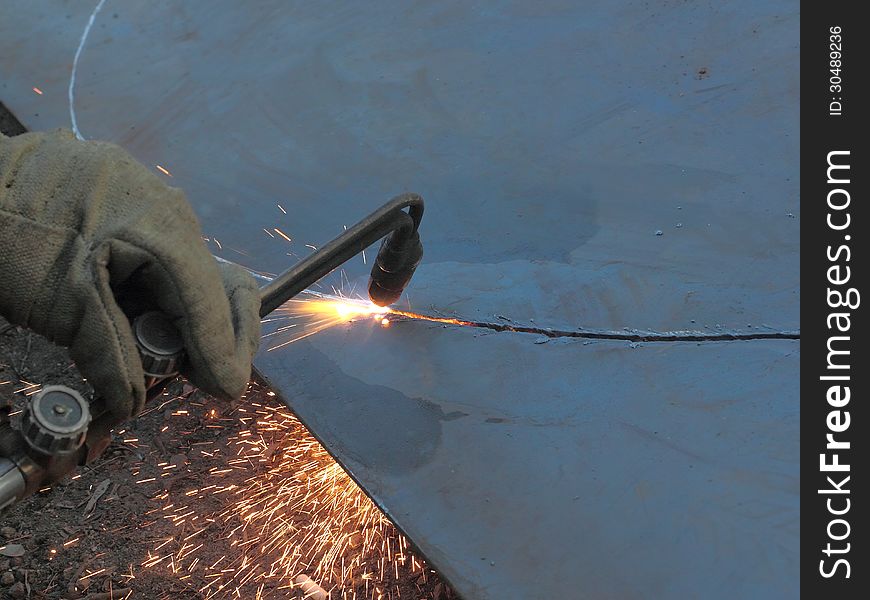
pixel 390 217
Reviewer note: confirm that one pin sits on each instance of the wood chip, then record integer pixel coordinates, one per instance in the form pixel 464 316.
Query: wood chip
pixel 96 495
pixel 12 550
pixel 311 590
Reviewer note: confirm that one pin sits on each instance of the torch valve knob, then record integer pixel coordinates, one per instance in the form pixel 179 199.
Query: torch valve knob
pixel 160 345
pixel 55 420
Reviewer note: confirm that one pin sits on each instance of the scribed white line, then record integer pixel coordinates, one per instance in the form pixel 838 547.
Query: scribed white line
pixel 72 76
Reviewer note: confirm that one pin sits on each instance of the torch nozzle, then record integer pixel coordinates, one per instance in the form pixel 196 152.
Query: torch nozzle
pixel 398 257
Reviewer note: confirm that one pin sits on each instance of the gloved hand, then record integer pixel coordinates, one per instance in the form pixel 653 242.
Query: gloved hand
pixel 84 227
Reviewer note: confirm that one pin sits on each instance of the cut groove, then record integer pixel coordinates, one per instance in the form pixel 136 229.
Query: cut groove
pixel 609 334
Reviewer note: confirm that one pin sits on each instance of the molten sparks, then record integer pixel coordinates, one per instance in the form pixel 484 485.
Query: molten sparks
pixel 430 318
pixel 163 170
pixel 282 234
pixel 37 90
pixel 28 388
pixel 300 318
pixel 289 515
pixel 312 312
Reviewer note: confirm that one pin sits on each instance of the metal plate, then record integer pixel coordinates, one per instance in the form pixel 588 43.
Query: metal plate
pixel 552 141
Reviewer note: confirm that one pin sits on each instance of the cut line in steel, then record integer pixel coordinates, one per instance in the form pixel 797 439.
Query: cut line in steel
pixel 604 334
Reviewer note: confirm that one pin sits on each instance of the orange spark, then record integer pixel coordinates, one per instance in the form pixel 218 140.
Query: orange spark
pixel 37 90
pixel 282 234
pixel 163 170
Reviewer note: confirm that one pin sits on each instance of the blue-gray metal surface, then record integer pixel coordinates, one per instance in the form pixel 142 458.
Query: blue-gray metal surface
pixel 552 141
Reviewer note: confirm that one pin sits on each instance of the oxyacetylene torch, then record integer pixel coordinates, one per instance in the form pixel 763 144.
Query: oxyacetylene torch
pixel 60 430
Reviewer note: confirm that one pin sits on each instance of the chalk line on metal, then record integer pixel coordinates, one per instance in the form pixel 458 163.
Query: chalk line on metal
pixel 72 76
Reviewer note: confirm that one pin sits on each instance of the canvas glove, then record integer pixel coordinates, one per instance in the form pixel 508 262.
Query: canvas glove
pixel 85 230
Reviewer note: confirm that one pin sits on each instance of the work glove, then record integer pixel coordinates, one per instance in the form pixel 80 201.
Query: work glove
pixel 85 230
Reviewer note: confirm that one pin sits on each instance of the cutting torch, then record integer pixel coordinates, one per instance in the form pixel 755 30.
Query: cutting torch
pixel 60 430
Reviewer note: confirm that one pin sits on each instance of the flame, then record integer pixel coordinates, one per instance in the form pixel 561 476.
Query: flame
pixel 302 317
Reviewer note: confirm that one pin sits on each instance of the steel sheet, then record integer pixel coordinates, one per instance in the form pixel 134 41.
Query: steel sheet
pixel 599 164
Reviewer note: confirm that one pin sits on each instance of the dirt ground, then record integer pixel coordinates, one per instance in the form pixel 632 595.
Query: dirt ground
pixel 150 518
